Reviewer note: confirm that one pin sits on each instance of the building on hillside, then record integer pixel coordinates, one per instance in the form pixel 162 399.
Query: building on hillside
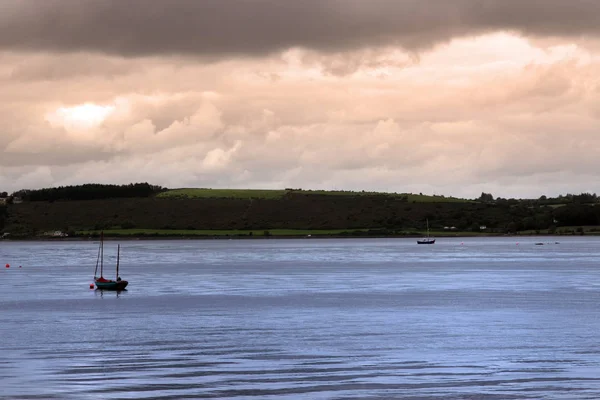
pixel 56 234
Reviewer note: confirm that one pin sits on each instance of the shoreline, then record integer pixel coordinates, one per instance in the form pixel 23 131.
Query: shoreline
pixel 277 237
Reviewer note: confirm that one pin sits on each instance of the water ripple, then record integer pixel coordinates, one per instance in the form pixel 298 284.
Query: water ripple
pixel 296 319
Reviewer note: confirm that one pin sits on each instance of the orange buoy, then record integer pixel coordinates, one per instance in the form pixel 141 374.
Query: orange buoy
pixel 91 285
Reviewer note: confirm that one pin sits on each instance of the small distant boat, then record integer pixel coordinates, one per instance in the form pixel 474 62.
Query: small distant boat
pixel 428 239
pixel 101 282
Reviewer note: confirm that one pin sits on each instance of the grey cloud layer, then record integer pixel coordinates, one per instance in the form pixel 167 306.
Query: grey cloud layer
pixel 254 27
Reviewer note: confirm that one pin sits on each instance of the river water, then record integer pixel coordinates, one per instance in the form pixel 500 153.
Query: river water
pixel 486 318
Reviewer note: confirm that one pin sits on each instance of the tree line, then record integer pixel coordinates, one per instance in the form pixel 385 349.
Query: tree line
pixel 90 191
pixel 582 198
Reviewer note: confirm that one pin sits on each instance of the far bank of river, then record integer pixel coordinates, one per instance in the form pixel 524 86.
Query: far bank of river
pixel 274 234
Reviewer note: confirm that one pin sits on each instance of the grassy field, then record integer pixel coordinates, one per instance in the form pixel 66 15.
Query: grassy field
pixel 416 198
pixel 223 193
pixel 422 198
pixel 567 230
pixel 199 232
pixel 344 193
pixel 277 194
pixel 271 232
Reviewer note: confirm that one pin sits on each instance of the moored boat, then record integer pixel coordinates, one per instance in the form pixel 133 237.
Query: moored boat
pixel 107 284
pixel 101 282
pixel 428 239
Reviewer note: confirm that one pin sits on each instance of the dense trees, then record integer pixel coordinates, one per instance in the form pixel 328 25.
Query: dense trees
pixel 577 214
pixel 3 214
pixel 95 206
pixel 90 191
pixel 486 197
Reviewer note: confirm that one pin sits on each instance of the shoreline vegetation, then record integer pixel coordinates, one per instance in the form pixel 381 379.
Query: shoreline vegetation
pixel 135 234
pixel 144 211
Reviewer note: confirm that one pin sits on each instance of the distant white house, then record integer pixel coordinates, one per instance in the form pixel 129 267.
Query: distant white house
pixel 56 234
pixel 482 227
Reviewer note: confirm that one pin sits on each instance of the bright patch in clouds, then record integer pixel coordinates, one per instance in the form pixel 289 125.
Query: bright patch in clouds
pixel 499 112
pixel 83 116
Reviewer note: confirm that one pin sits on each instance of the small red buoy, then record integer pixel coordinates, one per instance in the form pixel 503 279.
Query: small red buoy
pixel 7 265
pixel 91 285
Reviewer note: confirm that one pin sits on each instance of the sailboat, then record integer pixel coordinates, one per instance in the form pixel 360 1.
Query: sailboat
pixel 428 239
pixel 101 282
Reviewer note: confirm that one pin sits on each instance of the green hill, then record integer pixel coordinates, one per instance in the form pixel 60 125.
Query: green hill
pixel 143 209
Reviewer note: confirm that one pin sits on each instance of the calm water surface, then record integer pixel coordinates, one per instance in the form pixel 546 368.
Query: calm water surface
pixel 494 318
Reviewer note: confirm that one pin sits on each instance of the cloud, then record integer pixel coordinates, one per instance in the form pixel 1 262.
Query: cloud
pixel 218 28
pixel 496 112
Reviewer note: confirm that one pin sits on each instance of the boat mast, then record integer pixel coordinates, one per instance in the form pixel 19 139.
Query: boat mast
pixel 97 263
pixel 118 251
pixel 101 253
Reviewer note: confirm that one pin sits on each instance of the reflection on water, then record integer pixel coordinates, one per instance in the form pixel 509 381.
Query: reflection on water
pixel 114 293
pixel 495 318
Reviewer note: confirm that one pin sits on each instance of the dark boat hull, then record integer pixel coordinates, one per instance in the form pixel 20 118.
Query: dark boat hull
pixel 426 241
pixel 111 285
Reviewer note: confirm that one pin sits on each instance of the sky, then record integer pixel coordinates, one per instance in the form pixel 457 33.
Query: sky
pixel 446 97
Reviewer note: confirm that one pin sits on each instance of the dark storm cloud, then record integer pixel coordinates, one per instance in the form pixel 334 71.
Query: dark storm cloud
pixel 254 27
